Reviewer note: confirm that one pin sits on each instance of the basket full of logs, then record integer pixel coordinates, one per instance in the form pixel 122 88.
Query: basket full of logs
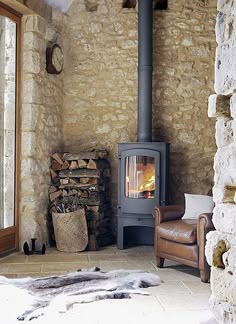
pixel 82 180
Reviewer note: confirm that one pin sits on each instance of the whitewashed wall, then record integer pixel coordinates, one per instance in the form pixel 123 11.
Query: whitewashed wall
pixel 221 244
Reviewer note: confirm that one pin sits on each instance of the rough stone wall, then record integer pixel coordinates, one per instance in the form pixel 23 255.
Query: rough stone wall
pixel 221 244
pixel 100 102
pixel 41 123
pixel 184 49
pixel 100 79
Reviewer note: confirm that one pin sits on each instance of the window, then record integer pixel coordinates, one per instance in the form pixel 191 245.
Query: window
pixel 9 106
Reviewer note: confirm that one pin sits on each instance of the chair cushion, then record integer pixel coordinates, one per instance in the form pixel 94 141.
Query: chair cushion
pixel 182 231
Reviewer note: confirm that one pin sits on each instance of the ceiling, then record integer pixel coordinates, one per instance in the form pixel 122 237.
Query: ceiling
pixel 63 5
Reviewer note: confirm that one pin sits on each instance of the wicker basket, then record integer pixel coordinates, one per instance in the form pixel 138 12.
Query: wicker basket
pixel 71 232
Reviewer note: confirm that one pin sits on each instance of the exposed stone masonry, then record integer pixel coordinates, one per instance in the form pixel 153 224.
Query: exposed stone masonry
pixel 100 102
pixel 222 107
pixel 41 124
pixel 184 49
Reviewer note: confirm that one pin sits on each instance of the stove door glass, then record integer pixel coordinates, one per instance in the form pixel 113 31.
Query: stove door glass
pixel 140 177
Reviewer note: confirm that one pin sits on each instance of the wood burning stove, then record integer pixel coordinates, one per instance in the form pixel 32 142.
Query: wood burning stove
pixel 143 184
pixel 143 166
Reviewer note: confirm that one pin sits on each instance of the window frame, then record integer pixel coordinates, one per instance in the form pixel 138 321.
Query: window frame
pixel 9 237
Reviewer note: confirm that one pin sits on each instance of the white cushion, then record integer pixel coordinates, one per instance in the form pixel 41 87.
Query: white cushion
pixel 196 205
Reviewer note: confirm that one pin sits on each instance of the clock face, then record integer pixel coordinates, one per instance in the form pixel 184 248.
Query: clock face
pixel 57 58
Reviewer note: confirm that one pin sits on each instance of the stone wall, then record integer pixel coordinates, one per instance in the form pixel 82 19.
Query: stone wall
pixel 221 244
pixel 41 123
pixel 100 79
pixel 184 49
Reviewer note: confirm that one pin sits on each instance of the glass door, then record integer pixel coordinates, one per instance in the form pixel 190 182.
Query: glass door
pixel 140 177
pixel 9 102
pixel 139 180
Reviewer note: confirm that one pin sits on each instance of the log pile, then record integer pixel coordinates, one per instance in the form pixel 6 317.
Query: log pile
pixel 82 180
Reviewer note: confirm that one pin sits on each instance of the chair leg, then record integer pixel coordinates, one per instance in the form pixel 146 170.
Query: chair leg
pixel 160 262
pixel 205 275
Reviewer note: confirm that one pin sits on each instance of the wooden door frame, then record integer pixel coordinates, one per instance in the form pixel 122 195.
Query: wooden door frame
pixel 9 237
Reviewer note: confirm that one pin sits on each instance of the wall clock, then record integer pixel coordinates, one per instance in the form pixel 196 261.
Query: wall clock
pixel 54 59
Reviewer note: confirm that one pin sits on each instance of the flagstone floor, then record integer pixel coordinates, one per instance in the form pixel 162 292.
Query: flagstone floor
pixel 181 298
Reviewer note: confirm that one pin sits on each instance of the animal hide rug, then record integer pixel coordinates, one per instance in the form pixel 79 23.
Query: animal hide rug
pixel 62 292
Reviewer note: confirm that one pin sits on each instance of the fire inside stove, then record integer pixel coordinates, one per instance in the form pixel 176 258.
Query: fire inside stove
pixel 140 177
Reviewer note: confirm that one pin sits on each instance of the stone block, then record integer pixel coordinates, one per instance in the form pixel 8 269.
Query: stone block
pixel 223 285
pixel 224 218
pixel 225 68
pixel 225 28
pixel 233 106
pixel 28 144
pixel 29 117
pixel 229 260
pixel 28 188
pixel 213 238
pixel 224 132
pixel 224 312
pixel 34 24
pixel 233 124
pixel 32 62
pixel 33 91
pixel 220 24
pixel 218 106
pixel 225 166
pixel 34 41
pixel 227 6
pixel 28 167
pixel 218 194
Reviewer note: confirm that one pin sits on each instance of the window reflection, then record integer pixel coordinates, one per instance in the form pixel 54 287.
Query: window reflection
pixel 7 120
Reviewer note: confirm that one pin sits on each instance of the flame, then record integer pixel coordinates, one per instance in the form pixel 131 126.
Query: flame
pixel 148 185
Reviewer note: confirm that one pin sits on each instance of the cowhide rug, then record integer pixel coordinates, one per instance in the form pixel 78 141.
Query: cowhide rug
pixel 40 295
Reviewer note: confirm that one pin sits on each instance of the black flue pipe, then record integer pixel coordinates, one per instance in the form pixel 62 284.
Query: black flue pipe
pixel 145 8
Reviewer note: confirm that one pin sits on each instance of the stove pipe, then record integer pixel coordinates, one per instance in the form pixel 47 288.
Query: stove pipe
pixel 145 8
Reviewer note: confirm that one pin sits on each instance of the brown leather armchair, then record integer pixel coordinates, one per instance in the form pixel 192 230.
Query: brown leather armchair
pixel 182 240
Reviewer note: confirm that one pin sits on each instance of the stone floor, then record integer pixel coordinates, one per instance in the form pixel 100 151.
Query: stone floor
pixel 181 298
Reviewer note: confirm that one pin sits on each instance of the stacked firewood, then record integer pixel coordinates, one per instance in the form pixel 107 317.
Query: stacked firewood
pixel 82 180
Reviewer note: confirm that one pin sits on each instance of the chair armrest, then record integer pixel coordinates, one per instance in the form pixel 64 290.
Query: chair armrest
pixel 167 213
pixel 204 225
